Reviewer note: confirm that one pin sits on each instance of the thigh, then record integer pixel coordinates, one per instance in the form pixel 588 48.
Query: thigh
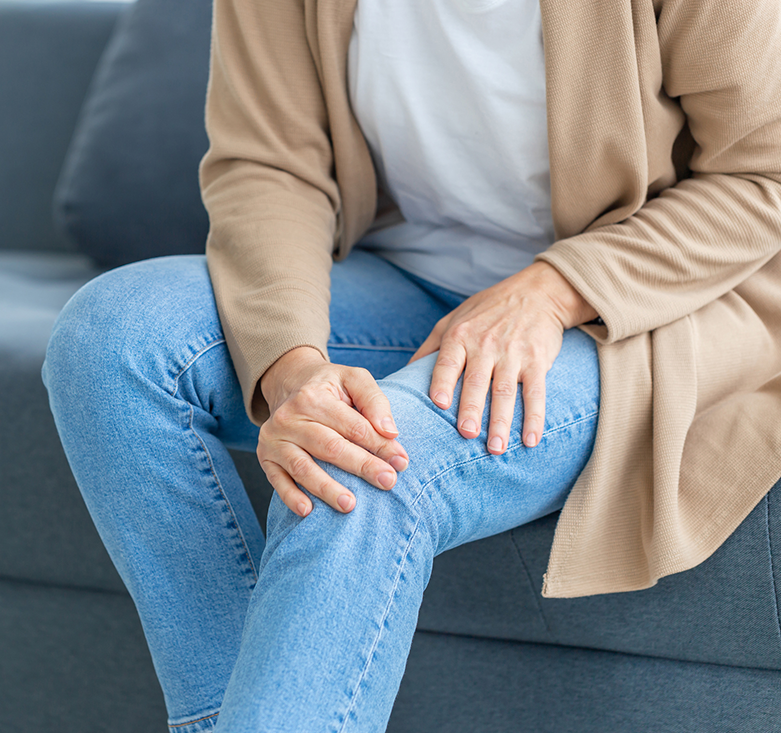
pixel 379 314
pixel 469 493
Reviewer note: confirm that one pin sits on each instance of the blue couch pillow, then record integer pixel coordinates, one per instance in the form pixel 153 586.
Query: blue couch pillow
pixel 129 186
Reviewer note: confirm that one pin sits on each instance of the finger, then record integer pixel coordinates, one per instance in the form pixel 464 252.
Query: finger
pixel 477 379
pixel 370 401
pixel 354 427
pixel 300 466
pixel 294 499
pixel 447 370
pixel 504 390
pixel 333 448
pixel 533 406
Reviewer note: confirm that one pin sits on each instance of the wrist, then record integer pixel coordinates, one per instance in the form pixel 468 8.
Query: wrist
pixel 285 374
pixel 572 309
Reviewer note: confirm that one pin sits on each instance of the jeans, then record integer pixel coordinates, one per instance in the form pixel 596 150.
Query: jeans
pixel 307 629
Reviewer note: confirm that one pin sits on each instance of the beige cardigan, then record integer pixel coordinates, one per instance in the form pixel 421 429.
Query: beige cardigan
pixel 665 148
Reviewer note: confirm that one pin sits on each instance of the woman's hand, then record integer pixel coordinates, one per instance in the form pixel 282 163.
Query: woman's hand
pixel 506 334
pixel 312 416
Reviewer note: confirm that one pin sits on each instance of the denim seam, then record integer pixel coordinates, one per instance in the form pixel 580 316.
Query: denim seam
pixel 370 347
pixel 772 569
pixel 385 614
pixel 193 722
pixel 218 483
pixel 531 583
pixel 512 449
pixel 192 361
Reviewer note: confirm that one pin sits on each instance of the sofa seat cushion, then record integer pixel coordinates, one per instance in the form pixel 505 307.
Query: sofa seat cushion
pixel 724 611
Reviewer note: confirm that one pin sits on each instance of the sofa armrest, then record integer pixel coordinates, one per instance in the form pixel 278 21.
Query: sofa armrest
pixel 48 52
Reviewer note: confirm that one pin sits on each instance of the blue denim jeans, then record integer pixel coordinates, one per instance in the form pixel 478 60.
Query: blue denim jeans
pixel 307 629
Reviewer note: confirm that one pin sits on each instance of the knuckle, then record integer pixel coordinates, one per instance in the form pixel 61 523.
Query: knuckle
pixel 471 407
pixel 534 417
pixel 459 331
pixel 504 388
pixel 322 487
pixel 300 467
pixel 356 432
pixel 367 467
pixel 500 421
pixel 476 379
pixel 361 374
pixel 489 339
pixel 447 362
pixel 333 449
pixel 282 417
pixel 268 468
pixel 306 395
pixel 534 391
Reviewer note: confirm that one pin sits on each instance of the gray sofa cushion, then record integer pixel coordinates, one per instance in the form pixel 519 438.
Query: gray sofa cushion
pixel 129 188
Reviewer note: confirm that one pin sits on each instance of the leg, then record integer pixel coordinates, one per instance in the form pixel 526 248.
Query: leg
pixel 332 617
pixel 146 399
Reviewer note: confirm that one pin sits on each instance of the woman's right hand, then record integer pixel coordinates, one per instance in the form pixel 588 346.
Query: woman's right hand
pixel 334 413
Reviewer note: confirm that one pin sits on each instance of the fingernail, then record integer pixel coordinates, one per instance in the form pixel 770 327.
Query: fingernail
pixel 495 444
pixel 303 509
pixel 388 425
pixel 440 398
pixel 399 463
pixel 345 501
pixel 531 440
pixel 469 426
pixel 387 479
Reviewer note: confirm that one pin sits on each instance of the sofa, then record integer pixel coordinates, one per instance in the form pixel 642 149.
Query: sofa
pixel 101 130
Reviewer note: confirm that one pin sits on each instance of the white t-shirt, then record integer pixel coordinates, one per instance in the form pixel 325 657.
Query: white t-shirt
pixel 450 95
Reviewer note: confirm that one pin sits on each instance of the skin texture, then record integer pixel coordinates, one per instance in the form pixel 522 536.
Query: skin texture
pixel 508 334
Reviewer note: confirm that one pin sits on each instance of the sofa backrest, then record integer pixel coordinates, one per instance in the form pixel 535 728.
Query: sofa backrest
pixel 48 53
pixel 129 187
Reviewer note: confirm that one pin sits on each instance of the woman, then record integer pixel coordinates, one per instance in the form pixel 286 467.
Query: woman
pixel 657 234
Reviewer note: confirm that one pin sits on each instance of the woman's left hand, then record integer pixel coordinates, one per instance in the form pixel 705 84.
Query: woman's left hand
pixel 509 333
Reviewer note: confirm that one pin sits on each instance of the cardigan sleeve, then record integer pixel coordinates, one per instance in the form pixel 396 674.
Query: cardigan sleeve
pixel 704 236
pixel 267 183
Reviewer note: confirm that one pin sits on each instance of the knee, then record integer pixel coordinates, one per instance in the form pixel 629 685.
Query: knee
pixel 114 323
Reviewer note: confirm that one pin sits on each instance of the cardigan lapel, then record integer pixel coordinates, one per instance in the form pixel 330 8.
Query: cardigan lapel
pixel 329 28
pixel 596 134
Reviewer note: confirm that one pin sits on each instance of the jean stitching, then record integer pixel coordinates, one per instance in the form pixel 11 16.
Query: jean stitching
pixel 205 450
pixel 192 361
pixel 371 347
pixel 192 722
pixel 772 569
pixel 513 449
pixel 531 582
pixel 222 494
pixel 377 638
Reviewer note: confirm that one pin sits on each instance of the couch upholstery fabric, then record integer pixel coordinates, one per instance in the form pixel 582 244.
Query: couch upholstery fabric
pixel 40 108
pixel 129 187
